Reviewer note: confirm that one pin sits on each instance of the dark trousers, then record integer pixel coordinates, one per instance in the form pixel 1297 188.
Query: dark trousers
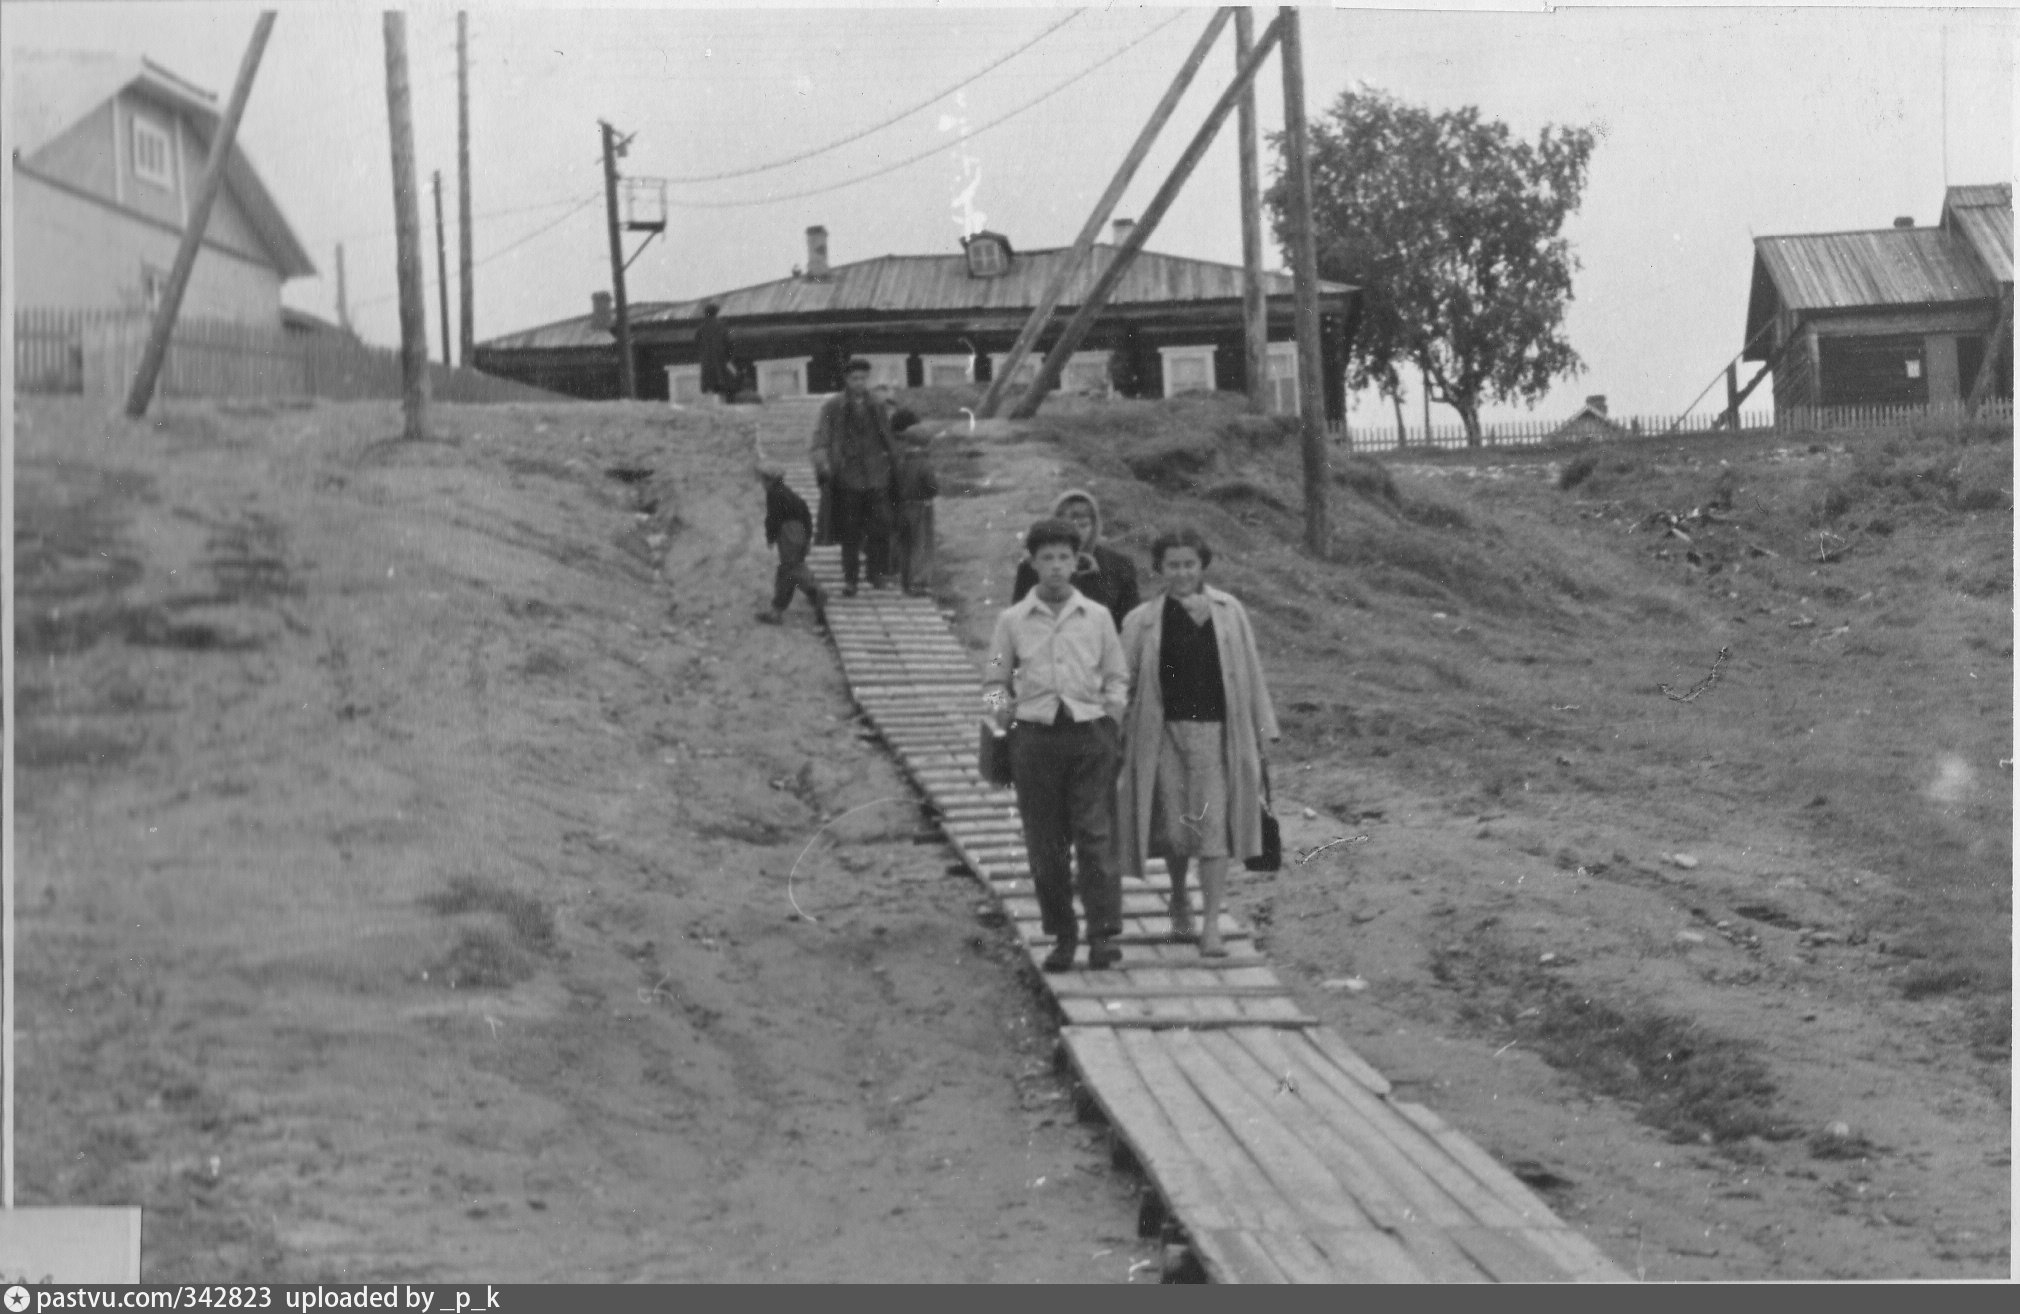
pixel 915 544
pixel 863 526
pixel 1065 778
pixel 792 572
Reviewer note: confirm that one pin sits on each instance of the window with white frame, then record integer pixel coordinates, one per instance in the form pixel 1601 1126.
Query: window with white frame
pixel 683 384
pixel 153 160
pixel 782 378
pixel 1283 389
pixel 948 371
pixel 153 280
pixel 1187 369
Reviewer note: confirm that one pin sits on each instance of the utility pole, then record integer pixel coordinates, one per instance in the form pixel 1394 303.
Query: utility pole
pixel 627 382
pixel 1048 300
pixel 442 269
pixel 464 264
pixel 1424 383
pixel 1305 272
pixel 407 226
pixel 343 296
pixel 1077 328
pixel 1254 309
pixel 142 391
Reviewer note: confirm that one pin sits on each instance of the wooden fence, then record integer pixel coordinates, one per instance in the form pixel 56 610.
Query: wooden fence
pixel 1539 433
pixel 96 353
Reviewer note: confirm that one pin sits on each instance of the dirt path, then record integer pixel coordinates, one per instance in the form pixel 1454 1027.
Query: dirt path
pixel 403 850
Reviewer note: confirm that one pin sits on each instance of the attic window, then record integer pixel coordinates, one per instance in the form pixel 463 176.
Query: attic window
pixel 988 255
pixel 151 154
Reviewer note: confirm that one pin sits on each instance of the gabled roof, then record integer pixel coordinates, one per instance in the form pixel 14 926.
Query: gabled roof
pixel 1983 216
pixel 1589 417
pixel 898 284
pixel 48 91
pixel 1877 269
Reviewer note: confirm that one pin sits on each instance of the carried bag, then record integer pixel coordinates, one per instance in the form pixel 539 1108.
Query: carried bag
pixel 993 759
pixel 1272 856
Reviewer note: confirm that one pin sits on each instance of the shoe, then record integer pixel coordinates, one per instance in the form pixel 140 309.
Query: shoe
pixel 770 618
pixel 1102 955
pixel 848 590
pixel 1181 918
pixel 1061 957
pixel 1211 947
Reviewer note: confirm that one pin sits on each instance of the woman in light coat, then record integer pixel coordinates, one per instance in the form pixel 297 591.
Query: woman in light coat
pixel 1199 713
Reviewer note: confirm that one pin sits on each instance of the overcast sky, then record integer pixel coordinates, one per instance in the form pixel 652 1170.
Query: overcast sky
pixel 1716 124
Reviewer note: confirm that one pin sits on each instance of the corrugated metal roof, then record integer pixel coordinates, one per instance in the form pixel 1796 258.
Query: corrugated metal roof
pixel 1885 267
pixel 1983 216
pixel 895 284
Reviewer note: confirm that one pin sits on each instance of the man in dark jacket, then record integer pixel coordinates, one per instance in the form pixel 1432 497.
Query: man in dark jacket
pixel 712 345
pixel 1102 573
pixel 853 448
pixel 913 488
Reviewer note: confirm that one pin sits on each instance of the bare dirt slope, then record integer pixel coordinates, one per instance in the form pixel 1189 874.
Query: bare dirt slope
pixel 405 833
pixel 403 847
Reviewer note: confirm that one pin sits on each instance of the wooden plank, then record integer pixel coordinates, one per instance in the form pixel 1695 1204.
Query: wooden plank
pixel 1167 954
pixel 1067 987
pixel 1506 1254
pixel 1141 930
pixel 1180 1176
pixel 1338 1053
pixel 1146 904
pixel 1292 1022
pixel 1439 1190
pixel 1340 1255
pixel 1230 1254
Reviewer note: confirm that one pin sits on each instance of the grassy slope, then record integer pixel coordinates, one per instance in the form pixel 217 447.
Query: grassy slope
pixel 1501 639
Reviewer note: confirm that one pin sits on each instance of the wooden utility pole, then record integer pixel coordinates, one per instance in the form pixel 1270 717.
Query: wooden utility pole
pixel 1254 307
pixel 1304 255
pixel 1048 300
pixel 468 337
pixel 407 228
pixel 142 391
pixel 1424 386
pixel 343 294
pixel 1083 319
pixel 442 269
pixel 627 381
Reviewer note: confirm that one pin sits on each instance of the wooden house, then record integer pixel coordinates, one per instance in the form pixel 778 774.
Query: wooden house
pixel 1900 316
pixel 1589 423
pixel 107 154
pixel 1173 325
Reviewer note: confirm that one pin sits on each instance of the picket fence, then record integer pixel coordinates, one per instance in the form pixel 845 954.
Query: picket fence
pixel 1540 433
pixel 97 352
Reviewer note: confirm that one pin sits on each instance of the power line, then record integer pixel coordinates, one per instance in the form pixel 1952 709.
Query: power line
pixel 512 246
pixel 878 127
pixel 381 234
pixel 925 154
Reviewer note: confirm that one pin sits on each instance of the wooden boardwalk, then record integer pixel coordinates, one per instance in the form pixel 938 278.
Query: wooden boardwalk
pixel 1278 1153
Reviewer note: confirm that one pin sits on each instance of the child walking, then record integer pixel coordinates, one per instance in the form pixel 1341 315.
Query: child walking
pixel 914 485
pixel 790 526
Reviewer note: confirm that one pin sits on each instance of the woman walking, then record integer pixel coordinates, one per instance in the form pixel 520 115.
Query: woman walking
pixel 1199 712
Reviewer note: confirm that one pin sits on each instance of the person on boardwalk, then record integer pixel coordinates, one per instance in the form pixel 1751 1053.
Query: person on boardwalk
pixel 853 448
pixel 716 352
pixel 914 485
pixel 1057 682
pixel 1199 713
pixel 790 527
pixel 1102 573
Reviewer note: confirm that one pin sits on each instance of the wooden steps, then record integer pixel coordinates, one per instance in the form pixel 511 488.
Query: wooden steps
pixel 1279 1153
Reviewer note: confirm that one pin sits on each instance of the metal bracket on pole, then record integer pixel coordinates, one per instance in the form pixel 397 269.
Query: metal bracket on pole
pixel 641 249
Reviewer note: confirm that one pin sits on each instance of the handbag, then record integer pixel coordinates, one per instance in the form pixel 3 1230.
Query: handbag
pixel 1272 856
pixel 993 758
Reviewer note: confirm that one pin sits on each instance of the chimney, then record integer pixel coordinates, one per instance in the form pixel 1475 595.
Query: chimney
pixel 1905 221
pixel 1123 228
pixel 817 252
pixel 1597 403
pixel 599 311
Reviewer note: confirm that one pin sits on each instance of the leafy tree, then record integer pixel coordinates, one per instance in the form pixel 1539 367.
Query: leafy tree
pixel 1451 225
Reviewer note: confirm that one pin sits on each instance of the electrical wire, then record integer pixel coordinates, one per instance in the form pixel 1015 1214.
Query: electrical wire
pixel 879 127
pixel 511 246
pixel 925 154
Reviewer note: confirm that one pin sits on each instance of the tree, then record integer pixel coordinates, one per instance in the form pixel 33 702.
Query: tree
pixel 1451 226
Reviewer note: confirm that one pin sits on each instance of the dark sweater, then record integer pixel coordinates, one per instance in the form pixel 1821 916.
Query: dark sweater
pixel 782 505
pixel 1188 668
pixel 1112 583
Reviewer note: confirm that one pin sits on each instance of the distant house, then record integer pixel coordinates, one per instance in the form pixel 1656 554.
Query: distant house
pixel 107 154
pixel 1900 316
pixel 1173 325
pixel 1588 424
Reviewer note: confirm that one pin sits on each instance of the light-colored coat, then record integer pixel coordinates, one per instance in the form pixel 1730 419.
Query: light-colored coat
pixel 1250 720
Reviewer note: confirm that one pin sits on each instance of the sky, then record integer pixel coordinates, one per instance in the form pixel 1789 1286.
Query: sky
pixel 1716 124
